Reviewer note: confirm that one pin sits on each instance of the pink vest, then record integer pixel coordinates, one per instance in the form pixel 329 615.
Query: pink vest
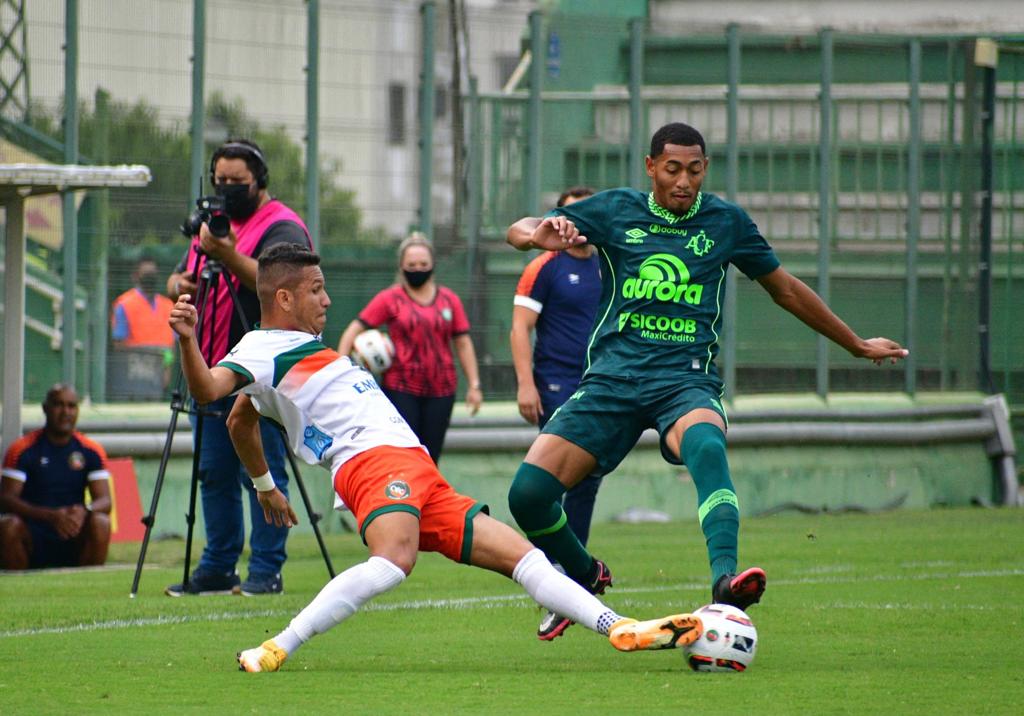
pixel 219 309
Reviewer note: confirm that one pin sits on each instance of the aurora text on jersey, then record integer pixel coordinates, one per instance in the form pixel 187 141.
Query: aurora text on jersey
pixel 664 278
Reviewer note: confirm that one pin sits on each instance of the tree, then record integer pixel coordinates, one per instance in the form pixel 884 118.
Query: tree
pixel 151 216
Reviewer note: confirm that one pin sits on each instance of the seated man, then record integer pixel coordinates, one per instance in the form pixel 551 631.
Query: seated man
pixel 336 415
pixel 45 476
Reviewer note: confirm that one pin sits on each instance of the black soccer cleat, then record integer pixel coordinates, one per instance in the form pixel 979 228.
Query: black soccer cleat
pixel 554 625
pixel 601 580
pixel 741 590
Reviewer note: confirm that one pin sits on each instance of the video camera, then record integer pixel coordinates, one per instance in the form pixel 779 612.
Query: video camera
pixel 210 211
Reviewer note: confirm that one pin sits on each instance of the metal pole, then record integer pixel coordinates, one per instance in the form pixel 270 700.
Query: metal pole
pixel 313 122
pixel 986 57
pixel 533 114
pixel 637 130
pixel 475 188
pixel 732 178
pixel 197 159
pixel 824 199
pixel 13 354
pixel 913 215
pixel 70 216
pixel 428 10
pixel 99 297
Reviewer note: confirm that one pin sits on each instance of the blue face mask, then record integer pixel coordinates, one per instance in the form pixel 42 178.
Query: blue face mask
pixel 417 278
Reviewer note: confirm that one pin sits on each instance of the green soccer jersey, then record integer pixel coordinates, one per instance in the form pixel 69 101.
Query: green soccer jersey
pixel 663 279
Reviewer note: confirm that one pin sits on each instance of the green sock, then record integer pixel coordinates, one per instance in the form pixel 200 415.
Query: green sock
pixel 703 451
pixel 535 500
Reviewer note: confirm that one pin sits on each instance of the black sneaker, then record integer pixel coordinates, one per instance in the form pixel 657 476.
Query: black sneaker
pixel 741 590
pixel 602 578
pixel 256 585
pixel 206 584
pixel 554 625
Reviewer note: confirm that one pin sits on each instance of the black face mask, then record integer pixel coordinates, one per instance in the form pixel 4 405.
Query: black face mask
pixel 417 278
pixel 239 203
pixel 148 282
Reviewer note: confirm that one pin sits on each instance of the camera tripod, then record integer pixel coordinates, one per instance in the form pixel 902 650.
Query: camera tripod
pixel 212 272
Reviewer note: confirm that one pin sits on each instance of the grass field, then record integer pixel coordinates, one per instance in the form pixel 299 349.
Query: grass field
pixel 901 613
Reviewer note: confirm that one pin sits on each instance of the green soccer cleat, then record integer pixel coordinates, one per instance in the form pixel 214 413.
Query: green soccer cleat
pixel 268 656
pixel 665 633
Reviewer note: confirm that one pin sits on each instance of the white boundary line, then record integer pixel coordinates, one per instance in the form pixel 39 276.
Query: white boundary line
pixel 497 601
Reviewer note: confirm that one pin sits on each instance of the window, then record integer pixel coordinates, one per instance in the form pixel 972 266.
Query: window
pixel 396 113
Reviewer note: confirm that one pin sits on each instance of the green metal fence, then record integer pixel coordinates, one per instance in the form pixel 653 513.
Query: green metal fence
pixel 858 156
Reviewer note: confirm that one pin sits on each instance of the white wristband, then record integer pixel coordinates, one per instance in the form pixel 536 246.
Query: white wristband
pixel 263 483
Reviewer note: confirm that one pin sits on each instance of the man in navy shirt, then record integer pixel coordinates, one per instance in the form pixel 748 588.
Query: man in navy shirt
pixel 45 476
pixel 557 298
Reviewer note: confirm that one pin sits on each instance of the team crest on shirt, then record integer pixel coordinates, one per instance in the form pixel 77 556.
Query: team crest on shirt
pixel 316 440
pixel 76 460
pixel 446 314
pixel 397 490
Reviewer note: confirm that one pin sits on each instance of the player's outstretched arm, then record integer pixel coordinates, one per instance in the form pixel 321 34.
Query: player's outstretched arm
pixel 553 233
pixel 244 429
pixel 205 384
pixel 348 338
pixel 797 297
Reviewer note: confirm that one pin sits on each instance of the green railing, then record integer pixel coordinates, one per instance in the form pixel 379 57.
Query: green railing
pixel 878 206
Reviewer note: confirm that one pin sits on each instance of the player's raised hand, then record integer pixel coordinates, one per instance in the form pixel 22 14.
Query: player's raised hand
pixel 555 233
pixel 183 317
pixel 878 349
pixel 276 508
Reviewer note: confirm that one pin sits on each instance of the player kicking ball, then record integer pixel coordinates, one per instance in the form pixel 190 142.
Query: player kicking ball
pixel 335 415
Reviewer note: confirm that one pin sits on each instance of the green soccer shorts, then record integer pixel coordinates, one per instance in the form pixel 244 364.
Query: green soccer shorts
pixel 606 415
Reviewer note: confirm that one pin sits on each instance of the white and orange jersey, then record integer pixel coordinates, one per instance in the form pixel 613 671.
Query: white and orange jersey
pixel 331 409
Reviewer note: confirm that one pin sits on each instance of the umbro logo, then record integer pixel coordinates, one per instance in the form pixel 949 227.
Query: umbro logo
pixel 635 236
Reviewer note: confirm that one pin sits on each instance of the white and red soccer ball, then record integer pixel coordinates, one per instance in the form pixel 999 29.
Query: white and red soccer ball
pixel 728 643
pixel 374 351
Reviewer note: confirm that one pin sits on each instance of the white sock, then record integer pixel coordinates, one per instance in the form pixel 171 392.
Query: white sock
pixel 560 594
pixel 339 600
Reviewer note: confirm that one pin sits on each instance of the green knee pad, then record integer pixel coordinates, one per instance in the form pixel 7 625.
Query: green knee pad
pixel 535 500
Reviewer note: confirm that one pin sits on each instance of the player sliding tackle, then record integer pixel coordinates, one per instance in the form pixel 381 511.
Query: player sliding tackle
pixel 335 415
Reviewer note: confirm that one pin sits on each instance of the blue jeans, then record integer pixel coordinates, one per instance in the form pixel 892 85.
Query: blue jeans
pixel 221 481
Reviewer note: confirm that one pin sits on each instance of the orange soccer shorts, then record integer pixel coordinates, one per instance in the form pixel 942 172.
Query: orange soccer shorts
pixel 397 479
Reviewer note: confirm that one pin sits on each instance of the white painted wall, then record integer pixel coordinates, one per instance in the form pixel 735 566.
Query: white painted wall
pixel 896 16
pixel 256 49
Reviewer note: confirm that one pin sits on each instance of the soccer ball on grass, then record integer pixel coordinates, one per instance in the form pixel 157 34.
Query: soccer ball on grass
pixel 728 643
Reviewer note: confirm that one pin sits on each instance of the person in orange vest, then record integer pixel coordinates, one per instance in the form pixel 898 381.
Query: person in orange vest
pixel 141 313
pixel 139 316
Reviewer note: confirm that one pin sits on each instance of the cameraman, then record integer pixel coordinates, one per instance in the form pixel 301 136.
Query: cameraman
pixel 239 173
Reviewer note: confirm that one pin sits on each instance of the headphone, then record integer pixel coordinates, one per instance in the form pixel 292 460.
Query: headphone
pixel 262 172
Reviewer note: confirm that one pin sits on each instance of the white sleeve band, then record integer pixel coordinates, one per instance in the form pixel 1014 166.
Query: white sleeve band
pixel 263 483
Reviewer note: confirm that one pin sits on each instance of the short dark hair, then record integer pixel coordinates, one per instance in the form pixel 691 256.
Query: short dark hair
pixel 676 133
pixel 574 192
pixel 248 151
pixel 288 253
pixel 278 266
